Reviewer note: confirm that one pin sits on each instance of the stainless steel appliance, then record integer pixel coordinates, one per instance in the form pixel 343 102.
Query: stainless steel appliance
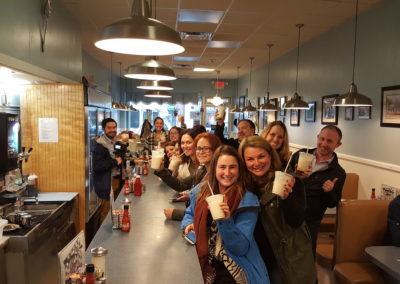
pixel 10 140
pixel 97 107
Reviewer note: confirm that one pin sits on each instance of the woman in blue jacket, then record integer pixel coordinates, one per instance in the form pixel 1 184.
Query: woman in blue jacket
pixel 226 248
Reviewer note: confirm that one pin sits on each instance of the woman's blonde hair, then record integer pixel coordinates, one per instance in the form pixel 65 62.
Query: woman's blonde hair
pixel 259 142
pixel 282 151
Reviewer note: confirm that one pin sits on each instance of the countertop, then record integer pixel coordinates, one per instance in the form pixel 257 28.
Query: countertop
pixel 154 250
pixel 53 197
pixel 387 258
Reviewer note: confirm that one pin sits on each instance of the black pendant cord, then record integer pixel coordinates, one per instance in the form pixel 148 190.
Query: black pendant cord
pixel 269 62
pixel 298 53
pixel 251 69
pixel 120 81
pixel 238 83
pixel 355 42
pixel 111 54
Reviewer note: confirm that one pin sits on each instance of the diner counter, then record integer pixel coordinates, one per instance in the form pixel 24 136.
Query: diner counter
pixel 154 250
pixel 388 259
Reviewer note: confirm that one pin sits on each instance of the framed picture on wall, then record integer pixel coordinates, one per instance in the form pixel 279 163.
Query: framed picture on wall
pixel 349 113
pixel 294 117
pixel 282 101
pixel 310 112
pixel 390 106
pixel 329 113
pixel 364 112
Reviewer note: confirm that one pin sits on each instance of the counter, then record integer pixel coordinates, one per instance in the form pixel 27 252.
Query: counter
pixel 154 250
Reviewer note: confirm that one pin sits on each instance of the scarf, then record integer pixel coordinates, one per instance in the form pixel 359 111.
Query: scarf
pixel 200 226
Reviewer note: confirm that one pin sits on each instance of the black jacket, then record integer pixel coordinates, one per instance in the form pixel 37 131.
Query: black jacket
pixel 102 164
pixel 393 225
pixel 317 200
pixel 181 184
pixel 219 131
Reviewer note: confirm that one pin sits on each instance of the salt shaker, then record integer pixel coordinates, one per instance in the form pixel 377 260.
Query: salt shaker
pixel 99 261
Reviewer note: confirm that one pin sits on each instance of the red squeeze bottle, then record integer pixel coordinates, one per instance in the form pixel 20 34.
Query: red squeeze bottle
pixel 126 220
pixel 145 169
pixel 90 278
pixel 126 187
pixel 137 187
pixel 373 194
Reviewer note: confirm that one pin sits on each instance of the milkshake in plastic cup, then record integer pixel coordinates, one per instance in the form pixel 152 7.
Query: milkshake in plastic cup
pixel 174 163
pixel 281 179
pixel 305 160
pixel 156 159
pixel 213 203
pixel 220 113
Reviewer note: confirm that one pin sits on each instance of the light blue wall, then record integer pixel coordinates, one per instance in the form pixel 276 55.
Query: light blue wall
pixel 326 68
pixel 20 22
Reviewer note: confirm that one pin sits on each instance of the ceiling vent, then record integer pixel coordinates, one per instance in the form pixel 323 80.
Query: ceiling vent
pixel 182 66
pixel 195 36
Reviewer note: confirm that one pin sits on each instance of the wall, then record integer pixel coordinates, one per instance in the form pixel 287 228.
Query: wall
pixel 326 68
pixel 21 39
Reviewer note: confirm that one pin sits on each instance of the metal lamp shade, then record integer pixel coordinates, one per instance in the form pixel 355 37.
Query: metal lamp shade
pixel 235 110
pixel 158 94
pixel 249 108
pixel 150 69
pixel 155 85
pixel 267 107
pixel 352 98
pixel 140 35
pixel 296 103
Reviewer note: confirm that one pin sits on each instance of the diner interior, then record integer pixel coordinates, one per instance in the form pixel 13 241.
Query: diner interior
pixel 306 63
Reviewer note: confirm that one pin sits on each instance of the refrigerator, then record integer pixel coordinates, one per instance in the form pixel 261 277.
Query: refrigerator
pixel 10 140
pixel 97 107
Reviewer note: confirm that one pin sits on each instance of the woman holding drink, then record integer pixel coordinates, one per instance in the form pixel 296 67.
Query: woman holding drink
pixel 281 232
pixel 225 245
pixel 158 135
pixel 206 144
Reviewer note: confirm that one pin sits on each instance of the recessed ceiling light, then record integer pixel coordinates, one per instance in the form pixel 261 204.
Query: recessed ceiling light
pixel 203 69
pixel 224 44
pixel 185 58
pixel 200 16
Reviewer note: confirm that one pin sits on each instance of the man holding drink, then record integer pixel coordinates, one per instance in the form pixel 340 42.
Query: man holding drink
pixel 323 179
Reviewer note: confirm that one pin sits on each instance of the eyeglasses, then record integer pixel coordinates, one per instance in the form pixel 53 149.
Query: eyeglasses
pixel 205 149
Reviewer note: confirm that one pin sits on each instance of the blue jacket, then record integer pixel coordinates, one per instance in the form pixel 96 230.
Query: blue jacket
pixel 237 235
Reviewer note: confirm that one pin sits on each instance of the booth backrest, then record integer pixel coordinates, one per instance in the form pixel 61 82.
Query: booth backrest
pixel 360 224
pixel 350 187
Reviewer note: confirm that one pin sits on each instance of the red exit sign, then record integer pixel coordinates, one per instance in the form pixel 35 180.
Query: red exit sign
pixel 220 85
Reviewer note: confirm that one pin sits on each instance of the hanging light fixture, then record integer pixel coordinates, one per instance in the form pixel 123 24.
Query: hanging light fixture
pixel 236 109
pixel 155 85
pixel 140 35
pixel 249 107
pixel 158 94
pixel 216 100
pixel 267 106
pixel 296 102
pixel 352 97
pixel 150 69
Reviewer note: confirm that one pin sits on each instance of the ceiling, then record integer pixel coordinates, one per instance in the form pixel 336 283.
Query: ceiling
pixel 252 24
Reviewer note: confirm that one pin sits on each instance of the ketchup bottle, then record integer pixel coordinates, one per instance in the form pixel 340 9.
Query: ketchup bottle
pixel 126 220
pixel 145 169
pixel 373 194
pixel 90 278
pixel 126 187
pixel 137 187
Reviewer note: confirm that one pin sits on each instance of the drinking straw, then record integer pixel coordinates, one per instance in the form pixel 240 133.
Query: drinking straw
pixel 287 166
pixel 212 193
pixel 307 151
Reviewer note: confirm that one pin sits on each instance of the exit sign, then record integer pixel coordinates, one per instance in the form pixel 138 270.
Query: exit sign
pixel 219 85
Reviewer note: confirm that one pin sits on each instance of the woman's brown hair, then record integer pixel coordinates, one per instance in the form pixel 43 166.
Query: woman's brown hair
pixel 282 151
pixel 211 178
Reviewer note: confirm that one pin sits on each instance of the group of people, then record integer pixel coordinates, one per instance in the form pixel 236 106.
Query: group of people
pixel 263 238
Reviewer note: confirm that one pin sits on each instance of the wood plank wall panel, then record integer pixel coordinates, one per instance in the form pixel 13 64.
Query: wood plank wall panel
pixel 59 166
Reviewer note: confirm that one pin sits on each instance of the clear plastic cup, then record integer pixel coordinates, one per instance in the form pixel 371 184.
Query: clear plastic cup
pixel 156 159
pixel 220 113
pixel 174 163
pixel 281 179
pixel 305 161
pixel 214 205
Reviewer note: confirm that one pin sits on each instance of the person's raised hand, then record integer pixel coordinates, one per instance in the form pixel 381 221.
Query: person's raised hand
pixel 329 184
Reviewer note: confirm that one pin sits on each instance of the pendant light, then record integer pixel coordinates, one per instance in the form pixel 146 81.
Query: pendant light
pixel 236 109
pixel 296 102
pixel 267 106
pixel 216 100
pixel 155 85
pixel 352 97
pixel 249 107
pixel 150 69
pixel 140 35
pixel 158 94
